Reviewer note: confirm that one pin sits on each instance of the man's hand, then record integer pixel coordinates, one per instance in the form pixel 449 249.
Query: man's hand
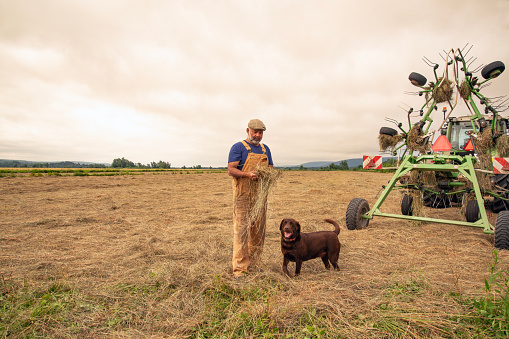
pixel 253 176
pixel 236 173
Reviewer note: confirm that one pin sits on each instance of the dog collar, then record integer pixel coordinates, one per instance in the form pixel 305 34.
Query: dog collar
pixel 289 240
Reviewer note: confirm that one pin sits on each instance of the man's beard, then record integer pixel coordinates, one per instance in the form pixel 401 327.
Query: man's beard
pixel 253 141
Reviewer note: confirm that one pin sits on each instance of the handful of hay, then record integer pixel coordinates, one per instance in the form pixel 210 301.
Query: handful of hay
pixel 267 179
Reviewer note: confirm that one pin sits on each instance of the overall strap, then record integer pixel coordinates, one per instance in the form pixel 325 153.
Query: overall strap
pixel 263 148
pixel 246 145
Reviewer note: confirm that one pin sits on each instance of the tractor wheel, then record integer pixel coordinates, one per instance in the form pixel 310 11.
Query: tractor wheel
pixel 388 131
pixel 406 205
pixel 493 70
pixel 502 231
pixel 417 80
pixel 356 208
pixel 501 180
pixel 472 211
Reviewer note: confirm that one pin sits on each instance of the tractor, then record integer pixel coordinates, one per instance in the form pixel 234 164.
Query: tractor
pixel 458 168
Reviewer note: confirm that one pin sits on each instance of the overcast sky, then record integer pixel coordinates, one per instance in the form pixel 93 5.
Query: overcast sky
pixel 178 81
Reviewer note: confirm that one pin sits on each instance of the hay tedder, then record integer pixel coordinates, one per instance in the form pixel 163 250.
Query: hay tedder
pixel 466 167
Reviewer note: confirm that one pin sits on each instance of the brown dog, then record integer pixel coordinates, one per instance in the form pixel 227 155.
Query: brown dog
pixel 299 247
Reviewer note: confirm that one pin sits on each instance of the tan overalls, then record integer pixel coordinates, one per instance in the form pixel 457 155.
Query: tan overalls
pixel 247 239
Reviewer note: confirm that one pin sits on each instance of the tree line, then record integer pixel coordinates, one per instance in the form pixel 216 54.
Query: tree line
pixel 60 164
pixel 124 163
pixel 117 163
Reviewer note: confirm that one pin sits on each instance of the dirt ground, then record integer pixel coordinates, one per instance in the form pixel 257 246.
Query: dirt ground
pixel 96 230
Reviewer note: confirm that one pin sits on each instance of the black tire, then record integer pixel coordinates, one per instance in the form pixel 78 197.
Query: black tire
pixel 493 70
pixel 356 208
pixel 472 211
pixel 501 180
pixel 388 131
pixel 502 231
pixel 417 79
pixel 406 204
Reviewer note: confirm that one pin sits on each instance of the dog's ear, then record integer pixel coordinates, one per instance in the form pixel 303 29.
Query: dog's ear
pixel 298 227
pixel 281 225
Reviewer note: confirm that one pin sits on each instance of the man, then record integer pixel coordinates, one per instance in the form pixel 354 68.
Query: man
pixel 243 160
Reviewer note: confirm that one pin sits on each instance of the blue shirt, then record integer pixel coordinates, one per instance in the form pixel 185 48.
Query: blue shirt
pixel 238 152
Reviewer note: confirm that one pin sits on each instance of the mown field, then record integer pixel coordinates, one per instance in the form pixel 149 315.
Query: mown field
pixel 148 256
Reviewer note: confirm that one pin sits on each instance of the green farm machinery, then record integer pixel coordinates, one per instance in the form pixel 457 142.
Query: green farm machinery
pixel 466 166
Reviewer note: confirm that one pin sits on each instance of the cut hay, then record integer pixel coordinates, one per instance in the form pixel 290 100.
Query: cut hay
pixel 465 90
pixel 267 179
pixel 388 141
pixel 484 142
pixel 417 205
pixel 154 268
pixel 414 177
pixel 415 141
pixel 503 146
pixel 427 178
pixel 420 179
pixel 444 91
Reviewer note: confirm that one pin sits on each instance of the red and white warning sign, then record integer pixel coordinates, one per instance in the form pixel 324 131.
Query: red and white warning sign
pixel 369 162
pixel 501 165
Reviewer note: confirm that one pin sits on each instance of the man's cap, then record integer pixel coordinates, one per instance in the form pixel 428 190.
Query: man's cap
pixel 256 124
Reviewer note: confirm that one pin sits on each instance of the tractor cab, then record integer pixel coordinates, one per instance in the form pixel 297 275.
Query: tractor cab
pixel 459 131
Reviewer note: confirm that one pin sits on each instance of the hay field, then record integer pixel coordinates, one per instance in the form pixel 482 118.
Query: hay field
pixel 149 256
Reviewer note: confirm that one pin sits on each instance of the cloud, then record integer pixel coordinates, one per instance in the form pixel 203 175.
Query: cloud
pixel 178 81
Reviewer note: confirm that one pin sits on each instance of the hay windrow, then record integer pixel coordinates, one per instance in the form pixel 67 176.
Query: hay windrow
pixel 388 141
pixel 261 188
pixel 444 91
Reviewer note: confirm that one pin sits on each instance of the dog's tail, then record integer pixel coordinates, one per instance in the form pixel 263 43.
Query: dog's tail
pixel 336 225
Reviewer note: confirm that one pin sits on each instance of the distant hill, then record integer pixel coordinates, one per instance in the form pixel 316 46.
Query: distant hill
pixel 49 164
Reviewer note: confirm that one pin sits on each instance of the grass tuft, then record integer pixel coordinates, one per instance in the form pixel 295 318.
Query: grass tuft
pixel 493 307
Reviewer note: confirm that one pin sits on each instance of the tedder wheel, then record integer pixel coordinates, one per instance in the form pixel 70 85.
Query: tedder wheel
pixel 502 231
pixel 493 70
pixel 356 208
pixel 406 205
pixel 388 131
pixel 501 180
pixel 472 211
pixel 416 79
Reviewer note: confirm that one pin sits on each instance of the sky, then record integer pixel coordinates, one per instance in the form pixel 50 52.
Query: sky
pixel 178 81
